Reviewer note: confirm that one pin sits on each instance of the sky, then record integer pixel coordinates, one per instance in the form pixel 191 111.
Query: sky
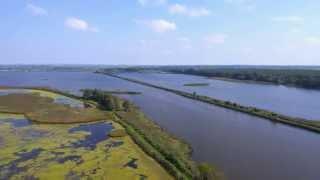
pixel 160 32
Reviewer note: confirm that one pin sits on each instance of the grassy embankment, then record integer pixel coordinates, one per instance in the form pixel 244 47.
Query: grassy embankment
pixel 275 117
pixel 196 84
pixel 172 153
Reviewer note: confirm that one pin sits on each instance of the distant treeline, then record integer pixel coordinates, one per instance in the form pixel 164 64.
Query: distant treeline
pixel 292 77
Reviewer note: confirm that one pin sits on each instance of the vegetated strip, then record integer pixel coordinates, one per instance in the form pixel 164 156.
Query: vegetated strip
pixel 120 92
pixel 196 84
pixel 275 117
pixel 141 140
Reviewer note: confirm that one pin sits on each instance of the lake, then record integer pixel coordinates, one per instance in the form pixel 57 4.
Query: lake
pixel 242 146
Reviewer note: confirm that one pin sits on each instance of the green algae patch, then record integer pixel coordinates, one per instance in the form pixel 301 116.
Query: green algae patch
pixel 43 151
pixel 44 109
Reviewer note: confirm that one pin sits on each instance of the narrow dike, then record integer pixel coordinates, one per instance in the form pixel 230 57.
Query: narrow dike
pixel 152 150
pixel 265 114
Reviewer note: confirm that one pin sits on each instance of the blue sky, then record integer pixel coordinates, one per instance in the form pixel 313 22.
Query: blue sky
pixel 258 32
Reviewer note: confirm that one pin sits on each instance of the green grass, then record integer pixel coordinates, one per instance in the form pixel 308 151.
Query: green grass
pixel 170 152
pixel 118 133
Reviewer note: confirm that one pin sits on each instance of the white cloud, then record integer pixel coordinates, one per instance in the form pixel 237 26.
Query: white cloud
pixel 152 2
pixel 158 25
pixel 184 10
pixel 216 38
pixel 184 39
pixel 238 1
pixel 247 5
pixel 36 10
pixel 295 30
pixel 312 40
pixel 289 19
pixel 79 24
pixel 177 9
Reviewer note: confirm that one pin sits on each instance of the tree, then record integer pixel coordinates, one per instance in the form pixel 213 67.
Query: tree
pixel 207 172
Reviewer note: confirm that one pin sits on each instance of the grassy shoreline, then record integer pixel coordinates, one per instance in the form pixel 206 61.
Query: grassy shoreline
pixel 149 148
pixel 265 114
pixel 196 84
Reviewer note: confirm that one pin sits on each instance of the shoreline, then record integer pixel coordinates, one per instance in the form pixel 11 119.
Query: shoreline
pixel 310 125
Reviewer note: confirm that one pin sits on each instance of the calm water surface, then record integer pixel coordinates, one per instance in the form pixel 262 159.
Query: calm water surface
pixel 242 146
pixel 291 101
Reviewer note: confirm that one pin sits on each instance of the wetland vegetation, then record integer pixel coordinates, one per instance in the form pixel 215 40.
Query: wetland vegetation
pixel 44 151
pixel 52 148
